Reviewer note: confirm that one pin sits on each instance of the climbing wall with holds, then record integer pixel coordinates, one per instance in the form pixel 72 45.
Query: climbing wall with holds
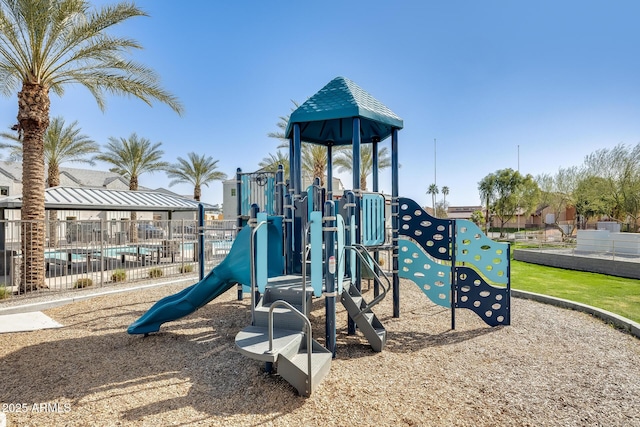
pixel 433 234
pixel 489 302
pixel 453 260
pixel 473 247
pixel 433 279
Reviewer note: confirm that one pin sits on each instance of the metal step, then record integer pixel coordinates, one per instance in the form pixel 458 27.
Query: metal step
pixel 367 322
pixel 283 318
pixel 253 342
pixel 295 368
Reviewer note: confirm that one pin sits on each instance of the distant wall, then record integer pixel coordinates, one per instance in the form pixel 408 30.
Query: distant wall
pixel 611 267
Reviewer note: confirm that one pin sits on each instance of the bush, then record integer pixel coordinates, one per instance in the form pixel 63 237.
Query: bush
pixel 83 282
pixel 4 292
pixel 156 272
pixel 186 268
pixel 119 276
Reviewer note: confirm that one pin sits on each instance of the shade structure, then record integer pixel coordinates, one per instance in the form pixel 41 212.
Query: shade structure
pixel 327 117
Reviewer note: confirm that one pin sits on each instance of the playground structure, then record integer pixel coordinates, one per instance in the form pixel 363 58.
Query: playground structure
pixel 305 245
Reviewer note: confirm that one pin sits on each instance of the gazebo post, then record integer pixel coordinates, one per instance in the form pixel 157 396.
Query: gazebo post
pixel 375 189
pixel 394 221
pixel 356 189
pixel 329 172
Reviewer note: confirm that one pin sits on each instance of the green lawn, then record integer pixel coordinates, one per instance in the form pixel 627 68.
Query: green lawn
pixel 615 294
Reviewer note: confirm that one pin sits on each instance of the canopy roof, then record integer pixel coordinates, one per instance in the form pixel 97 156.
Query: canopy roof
pixel 102 199
pixel 327 117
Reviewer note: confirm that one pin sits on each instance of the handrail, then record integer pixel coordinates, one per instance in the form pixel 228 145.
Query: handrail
pixel 307 323
pixel 253 270
pixel 305 251
pixel 358 248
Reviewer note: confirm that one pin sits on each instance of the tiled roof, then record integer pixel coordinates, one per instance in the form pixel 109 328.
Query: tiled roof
pixel 327 117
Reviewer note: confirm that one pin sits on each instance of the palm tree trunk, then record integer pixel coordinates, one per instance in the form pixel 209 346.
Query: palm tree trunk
pixel 33 118
pixel 197 193
pixel 54 181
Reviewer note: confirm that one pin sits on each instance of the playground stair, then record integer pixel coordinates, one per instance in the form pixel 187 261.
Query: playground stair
pixel 286 289
pixel 290 357
pixel 367 321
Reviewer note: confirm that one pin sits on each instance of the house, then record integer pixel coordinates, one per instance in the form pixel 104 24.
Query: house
pixel 462 212
pixel 11 186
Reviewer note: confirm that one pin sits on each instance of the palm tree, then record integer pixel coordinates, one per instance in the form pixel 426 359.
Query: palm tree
pixel 46 45
pixel 433 190
pixel 198 171
pixel 313 156
pixel 271 163
pixel 61 144
pixel 344 161
pixel 445 193
pixel 131 158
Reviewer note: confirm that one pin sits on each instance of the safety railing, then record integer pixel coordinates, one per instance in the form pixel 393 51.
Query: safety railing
pixel 39 257
pixel 370 263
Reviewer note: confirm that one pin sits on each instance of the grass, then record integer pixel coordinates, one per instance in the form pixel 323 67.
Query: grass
pixel 616 294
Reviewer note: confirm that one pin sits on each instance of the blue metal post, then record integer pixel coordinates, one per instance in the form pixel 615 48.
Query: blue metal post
pixel 201 240
pixel 239 215
pixel 375 189
pixel 297 172
pixel 288 227
pixel 355 281
pixel 253 214
pixel 329 172
pixel 375 161
pixel 394 221
pixel 454 274
pixel 329 274
pixel 280 191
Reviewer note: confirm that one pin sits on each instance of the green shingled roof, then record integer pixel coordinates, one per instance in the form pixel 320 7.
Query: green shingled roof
pixel 327 117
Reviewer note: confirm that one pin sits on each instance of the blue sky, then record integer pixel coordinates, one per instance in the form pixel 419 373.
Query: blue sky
pixel 559 79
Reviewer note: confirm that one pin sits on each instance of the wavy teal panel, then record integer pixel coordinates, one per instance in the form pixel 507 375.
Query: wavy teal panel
pixel 434 235
pixel 475 248
pixel 432 278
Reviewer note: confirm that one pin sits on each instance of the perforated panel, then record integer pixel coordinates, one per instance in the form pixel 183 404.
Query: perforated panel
pixel 432 278
pixel 489 302
pixel 473 247
pixel 433 234
pixel 372 219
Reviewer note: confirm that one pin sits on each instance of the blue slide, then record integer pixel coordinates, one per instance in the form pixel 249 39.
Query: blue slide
pixel 235 268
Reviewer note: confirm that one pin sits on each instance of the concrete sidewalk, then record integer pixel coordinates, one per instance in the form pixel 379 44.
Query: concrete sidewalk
pixel 26 322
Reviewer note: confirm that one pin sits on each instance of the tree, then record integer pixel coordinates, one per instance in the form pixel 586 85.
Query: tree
pixel 445 193
pixel 46 45
pixel 344 161
pixel 557 192
pixel 270 163
pixel 61 144
pixel 131 158
pixel 198 171
pixel 441 210
pixel 593 199
pixel 507 191
pixel 433 190
pixel 477 218
pixel 312 156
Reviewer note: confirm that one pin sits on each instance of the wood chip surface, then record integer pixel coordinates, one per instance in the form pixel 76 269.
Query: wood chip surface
pixel 551 367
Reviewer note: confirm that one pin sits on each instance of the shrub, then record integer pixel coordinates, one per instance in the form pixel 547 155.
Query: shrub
pixel 156 272
pixel 186 268
pixel 119 276
pixel 83 282
pixel 4 292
